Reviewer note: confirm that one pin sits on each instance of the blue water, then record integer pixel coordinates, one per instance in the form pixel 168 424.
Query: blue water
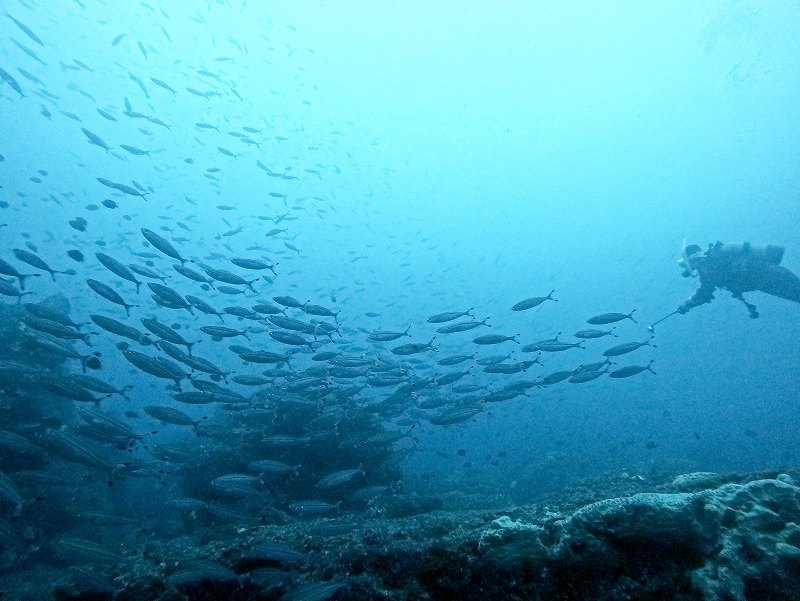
pixel 447 157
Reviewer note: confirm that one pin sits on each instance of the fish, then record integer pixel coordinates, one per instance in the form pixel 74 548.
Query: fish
pixel 108 425
pixel 558 346
pixel 290 339
pixel 247 380
pixel 594 333
pixel 53 328
pixel 203 306
pixel 96 140
pixel 606 318
pixel 414 347
pixel 219 332
pixel 340 477
pixel 631 370
pixel 96 385
pixel 34 261
pixel 145 272
pixel 118 269
pixel 227 152
pixel 125 189
pixel 535 301
pixel 9 79
pixel 7 288
pixel 25 29
pixel 35 57
pixel 510 368
pixel 242 313
pixel 155 366
pixel 200 398
pixel 163 84
pixel 120 329
pixel 10 270
pixel 46 311
pixel 168 415
pixel 627 347
pixel 556 377
pixel 270 467
pixel 268 309
pixel 30 77
pixel 66 388
pixel 106 115
pixel 109 294
pixel 227 277
pixel 313 507
pixel 263 357
pixel 455 359
pixel 134 150
pixel 165 332
pixel 451 378
pixel 462 326
pixel 536 346
pixel 168 297
pixel 582 377
pixel 450 316
pixel 193 275
pixel 320 311
pixel 495 339
pixel 162 245
pixel 157 121
pixel 593 366
pixel 386 336
pixel 288 301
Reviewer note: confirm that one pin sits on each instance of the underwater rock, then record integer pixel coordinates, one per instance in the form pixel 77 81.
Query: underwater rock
pixel 700 481
pixel 738 541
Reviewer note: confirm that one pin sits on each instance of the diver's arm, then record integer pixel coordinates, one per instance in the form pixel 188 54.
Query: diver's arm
pixel 704 294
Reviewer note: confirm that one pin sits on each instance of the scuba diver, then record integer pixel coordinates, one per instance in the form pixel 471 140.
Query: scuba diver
pixel 737 268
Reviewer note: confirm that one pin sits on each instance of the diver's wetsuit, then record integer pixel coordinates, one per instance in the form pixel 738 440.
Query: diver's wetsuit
pixel 742 268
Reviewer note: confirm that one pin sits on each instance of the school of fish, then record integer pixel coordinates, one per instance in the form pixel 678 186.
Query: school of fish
pixel 148 369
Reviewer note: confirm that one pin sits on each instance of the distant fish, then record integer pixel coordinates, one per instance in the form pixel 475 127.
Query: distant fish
pixel 121 187
pixel 227 152
pixel 25 29
pixel 29 52
pixel 95 139
pixel 134 150
pixel 162 84
pixel 106 115
pixel 9 79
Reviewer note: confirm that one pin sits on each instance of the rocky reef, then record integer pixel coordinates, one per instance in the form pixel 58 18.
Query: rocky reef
pixel 701 536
